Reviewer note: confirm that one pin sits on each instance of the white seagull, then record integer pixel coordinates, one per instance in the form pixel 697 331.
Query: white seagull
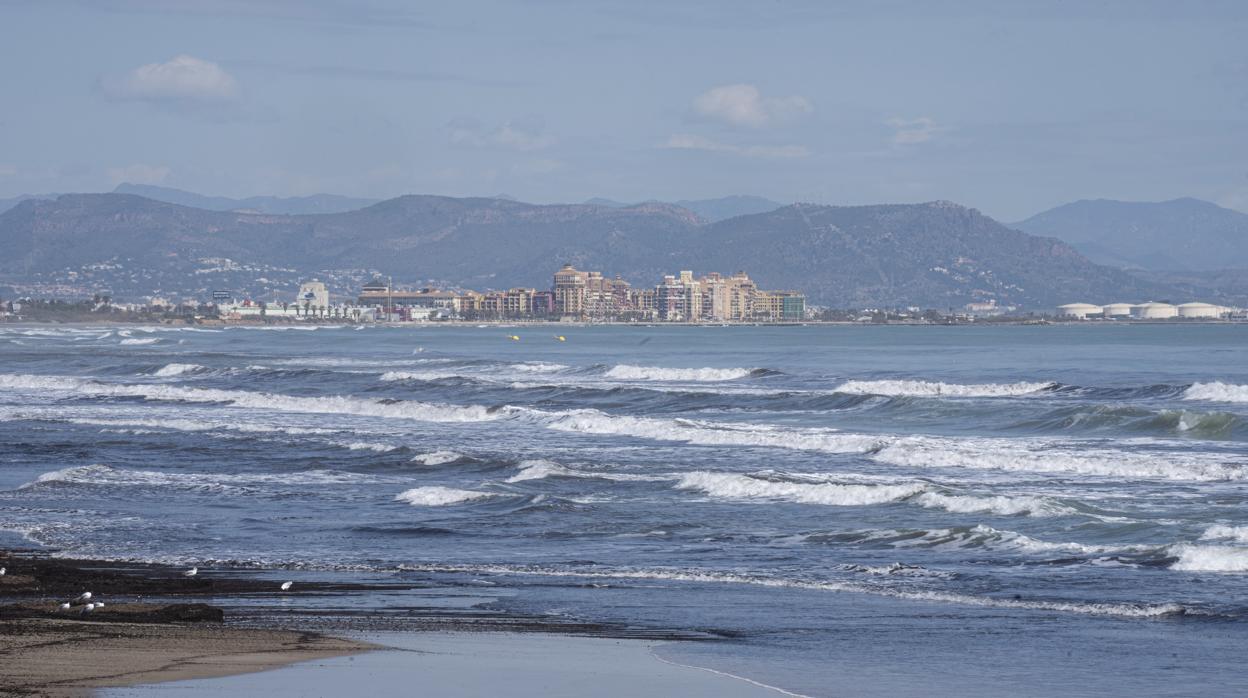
pixel 64 606
pixel 87 609
pixel 287 585
pixel 3 570
pixel 191 572
pixel 82 598
pixel 99 604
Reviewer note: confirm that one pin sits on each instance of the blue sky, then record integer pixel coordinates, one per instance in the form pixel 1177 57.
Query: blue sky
pixel 1008 107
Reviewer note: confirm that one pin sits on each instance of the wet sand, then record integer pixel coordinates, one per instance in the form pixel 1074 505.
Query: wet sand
pixel 63 657
pixel 45 650
pixel 158 626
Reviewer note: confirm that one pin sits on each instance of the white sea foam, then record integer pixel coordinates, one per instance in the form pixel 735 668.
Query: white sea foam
pixel 427 412
pixel 171 370
pixel 712 433
pixel 1238 534
pixel 655 373
pixel 539 367
pixel 538 469
pixel 139 342
pixel 1209 558
pixel 1043 456
pixel 1002 505
pixel 1130 610
pixel 103 475
pixel 436 496
pixel 934 389
pixel 366 446
pixel 1217 391
pixel 736 486
pixel 437 457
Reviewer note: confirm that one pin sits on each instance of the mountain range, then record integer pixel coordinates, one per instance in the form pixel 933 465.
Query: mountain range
pixel 937 254
pixel 1182 235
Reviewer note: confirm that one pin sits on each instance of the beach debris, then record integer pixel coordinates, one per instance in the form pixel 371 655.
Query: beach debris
pixel 287 585
pixel 191 572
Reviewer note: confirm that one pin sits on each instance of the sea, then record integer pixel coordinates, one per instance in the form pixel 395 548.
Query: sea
pixel 852 510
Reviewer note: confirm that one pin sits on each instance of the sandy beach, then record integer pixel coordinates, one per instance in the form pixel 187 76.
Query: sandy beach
pixel 156 628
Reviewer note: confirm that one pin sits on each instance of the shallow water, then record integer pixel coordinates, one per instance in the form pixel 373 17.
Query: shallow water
pixel 827 493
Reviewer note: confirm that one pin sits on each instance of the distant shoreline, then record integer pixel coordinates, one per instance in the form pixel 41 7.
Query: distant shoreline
pixel 555 325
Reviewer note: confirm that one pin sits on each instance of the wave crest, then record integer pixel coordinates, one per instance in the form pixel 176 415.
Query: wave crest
pixel 917 388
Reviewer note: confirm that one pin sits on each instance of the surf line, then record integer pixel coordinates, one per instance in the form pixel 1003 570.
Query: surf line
pixel 717 672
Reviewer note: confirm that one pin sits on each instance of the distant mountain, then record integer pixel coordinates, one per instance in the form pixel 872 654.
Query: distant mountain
pixel 1178 235
pixel 728 207
pixel 935 255
pixel 316 203
pixel 6 204
pixel 711 210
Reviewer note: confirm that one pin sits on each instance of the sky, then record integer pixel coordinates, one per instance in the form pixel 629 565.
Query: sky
pixel 1008 107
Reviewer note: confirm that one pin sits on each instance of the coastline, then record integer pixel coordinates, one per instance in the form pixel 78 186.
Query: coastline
pixel 158 626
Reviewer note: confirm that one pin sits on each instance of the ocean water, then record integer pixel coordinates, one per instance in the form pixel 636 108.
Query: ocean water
pixel 865 510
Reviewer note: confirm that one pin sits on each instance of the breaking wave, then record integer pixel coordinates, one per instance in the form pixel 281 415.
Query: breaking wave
pixel 171 370
pixel 655 373
pixel 1000 505
pixel 139 342
pixel 437 457
pixel 714 433
pixel 437 496
pixel 736 486
pixel 427 412
pixel 1209 558
pixel 106 476
pixel 1217 392
pixel 1238 534
pixel 1038 456
pixel 915 388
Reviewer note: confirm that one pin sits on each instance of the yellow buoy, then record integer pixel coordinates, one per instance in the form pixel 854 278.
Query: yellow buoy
pixel 561 338
pixel 514 337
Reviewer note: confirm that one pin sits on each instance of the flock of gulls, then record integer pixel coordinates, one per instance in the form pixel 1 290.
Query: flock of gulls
pixel 85 605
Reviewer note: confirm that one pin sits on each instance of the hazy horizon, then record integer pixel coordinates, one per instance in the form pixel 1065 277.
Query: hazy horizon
pixel 1004 107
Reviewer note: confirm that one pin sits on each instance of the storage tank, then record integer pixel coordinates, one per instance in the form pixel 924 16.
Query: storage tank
pixel 1154 311
pixel 1117 310
pixel 1079 311
pixel 1200 310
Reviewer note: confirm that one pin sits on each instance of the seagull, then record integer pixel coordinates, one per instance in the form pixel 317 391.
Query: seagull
pixel 82 598
pixel 87 609
pixel 191 572
pixel 99 604
pixel 64 606
pixel 3 570
pixel 287 585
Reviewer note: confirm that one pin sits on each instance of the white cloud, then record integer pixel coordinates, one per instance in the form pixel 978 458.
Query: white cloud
pixel 685 141
pixel 525 134
pixel 138 174
pixel 911 131
pixel 744 105
pixel 181 79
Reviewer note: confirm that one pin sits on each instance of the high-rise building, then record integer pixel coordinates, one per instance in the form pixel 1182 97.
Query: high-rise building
pixel 569 289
